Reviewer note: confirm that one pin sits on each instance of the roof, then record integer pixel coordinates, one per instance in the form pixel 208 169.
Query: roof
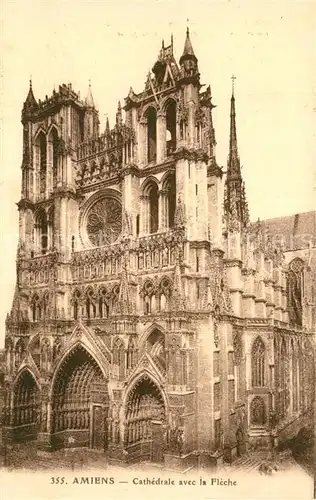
pixel 295 231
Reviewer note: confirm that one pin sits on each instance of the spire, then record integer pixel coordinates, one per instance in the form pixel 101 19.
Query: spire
pixel 119 118
pixel 233 158
pixel 30 103
pixel 235 203
pixel 188 52
pixel 89 98
pixel 107 126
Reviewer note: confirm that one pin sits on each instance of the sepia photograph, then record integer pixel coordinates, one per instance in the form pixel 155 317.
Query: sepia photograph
pixel 158 249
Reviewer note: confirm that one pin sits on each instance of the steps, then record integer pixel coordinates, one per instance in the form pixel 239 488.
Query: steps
pixel 246 463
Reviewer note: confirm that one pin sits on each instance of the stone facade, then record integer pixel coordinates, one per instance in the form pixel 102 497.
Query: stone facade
pixel 150 319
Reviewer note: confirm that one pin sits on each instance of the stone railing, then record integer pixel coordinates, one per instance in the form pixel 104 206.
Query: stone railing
pixel 97 263
pixel 37 269
pixel 159 250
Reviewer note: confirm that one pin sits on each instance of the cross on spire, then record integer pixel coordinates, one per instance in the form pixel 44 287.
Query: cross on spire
pixel 233 78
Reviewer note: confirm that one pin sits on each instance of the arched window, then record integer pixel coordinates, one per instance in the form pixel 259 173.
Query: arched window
pixel 295 290
pixel 153 208
pixel 36 308
pixel 169 188
pixel 258 411
pixel 148 293
pixel 258 363
pixel 53 143
pixel 171 127
pixel 151 135
pixel 41 231
pixel 42 145
pixel 164 294
pixel 20 350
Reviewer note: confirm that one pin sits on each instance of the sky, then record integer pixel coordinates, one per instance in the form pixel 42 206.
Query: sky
pixel 269 46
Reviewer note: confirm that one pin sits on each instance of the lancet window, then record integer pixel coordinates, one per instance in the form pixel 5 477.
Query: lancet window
pixel 151 135
pixel 19 352
pixel 41 229
pixel 164 294
pixel 149 297
pixel 169 200
pixel 295 290
pixel 258 363
pixel 171 121
pixel 36 308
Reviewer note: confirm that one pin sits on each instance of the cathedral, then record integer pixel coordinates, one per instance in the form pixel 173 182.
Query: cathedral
pixel 151 320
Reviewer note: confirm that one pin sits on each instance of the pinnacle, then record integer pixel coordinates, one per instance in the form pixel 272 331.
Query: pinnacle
pixel 89 98
pixel 188 49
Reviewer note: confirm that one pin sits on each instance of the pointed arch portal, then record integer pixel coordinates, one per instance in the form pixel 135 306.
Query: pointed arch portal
pixel 25 411
pixel 80 402
pixel 145 416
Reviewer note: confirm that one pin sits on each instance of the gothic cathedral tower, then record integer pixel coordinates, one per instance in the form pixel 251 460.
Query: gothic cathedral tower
pixel 137 279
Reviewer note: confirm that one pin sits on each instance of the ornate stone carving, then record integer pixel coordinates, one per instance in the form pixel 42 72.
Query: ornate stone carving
pixel 104 221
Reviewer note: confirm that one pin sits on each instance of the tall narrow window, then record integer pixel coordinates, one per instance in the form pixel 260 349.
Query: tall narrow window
pixel 55 155
pixel 42 229
pixel 258 363
pixel 169 187
pixel 43 162
pixel 171 127
pixel 151 135
pixel 153 208
pixel 295 291
pixel 137 225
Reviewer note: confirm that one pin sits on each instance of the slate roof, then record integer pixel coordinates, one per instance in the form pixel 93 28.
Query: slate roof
pixel 295 231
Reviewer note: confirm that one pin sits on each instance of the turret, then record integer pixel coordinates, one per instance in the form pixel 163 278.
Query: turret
pixel 91 117
pixel 188 60
pixel 30 105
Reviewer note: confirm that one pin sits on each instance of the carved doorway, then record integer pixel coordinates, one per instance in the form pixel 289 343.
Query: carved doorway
pixel 157 449
pixel 80 399
pixel 25 410
pixel 144 419
pixel 98 432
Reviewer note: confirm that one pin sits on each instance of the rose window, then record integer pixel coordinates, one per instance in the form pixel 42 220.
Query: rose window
pixel 104 221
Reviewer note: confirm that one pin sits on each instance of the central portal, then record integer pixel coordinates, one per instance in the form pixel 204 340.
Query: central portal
pixel 144 422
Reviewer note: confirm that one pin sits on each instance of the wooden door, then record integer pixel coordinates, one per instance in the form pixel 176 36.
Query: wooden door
pixel 98 427
pixel 157 451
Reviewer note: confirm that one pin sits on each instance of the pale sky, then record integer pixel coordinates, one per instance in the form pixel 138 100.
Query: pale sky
pixel 269 46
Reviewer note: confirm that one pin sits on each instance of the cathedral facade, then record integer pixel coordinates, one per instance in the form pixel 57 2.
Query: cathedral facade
pixel 151 320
